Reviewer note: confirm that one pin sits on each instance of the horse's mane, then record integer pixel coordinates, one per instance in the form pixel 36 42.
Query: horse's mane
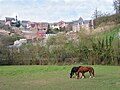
pixel 75 69
pixel 79 66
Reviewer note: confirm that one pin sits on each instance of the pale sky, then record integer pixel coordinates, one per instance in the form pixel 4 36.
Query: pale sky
pixel 53 10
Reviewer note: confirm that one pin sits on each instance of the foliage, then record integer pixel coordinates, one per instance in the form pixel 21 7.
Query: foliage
pixel 102 48
pixel 18 24
pixel 97 14
pixel 9 40
pixel 4 55
pixel 116 4
pixel 5 27
pixel 69 27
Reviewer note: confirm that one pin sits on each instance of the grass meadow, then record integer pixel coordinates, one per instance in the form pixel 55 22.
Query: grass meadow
pixel 53 77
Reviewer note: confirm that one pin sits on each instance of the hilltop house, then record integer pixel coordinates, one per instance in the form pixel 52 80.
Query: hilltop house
pixel 24 24
pixel 58 25
pixel 61 24
pixel 82 24
pixel 11 21
pixel 31 25
pixel 41 26
pixel 77 25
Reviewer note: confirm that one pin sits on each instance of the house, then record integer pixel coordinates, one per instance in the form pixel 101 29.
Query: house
pixel 61 24
pixel 7 19
pixel 82 24
pixel 54 25
pixel 58 25
pixel 20 42
pixel 24 23
pixel 88 24
pixel 77 25
pixel 11 21
pixel 42 29
pixel 31 25
pixel 41 26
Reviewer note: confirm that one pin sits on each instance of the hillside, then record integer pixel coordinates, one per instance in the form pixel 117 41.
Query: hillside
pixel 107 20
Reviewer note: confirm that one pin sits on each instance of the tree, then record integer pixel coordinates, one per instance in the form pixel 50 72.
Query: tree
pixel 97 14
pixel 116 4
pixel 18 24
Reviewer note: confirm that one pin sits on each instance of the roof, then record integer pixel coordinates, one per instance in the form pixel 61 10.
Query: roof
pixel 80 21
pixel 77 22
pixel 86 21
pixel 9 19
pixel 24 21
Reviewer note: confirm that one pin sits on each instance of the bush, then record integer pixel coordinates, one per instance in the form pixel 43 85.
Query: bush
pixel 96 49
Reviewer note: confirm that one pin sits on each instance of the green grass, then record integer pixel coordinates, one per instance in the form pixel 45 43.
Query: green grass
pixel 57 78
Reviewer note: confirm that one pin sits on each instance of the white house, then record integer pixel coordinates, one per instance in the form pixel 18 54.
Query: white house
pixel 20 42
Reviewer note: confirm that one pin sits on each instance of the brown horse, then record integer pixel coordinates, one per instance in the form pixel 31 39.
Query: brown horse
pixel 84 70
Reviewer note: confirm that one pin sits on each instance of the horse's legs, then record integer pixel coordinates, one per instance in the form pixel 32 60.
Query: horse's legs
pixel 93 73
pixel 90 74
pixel 77 74
pixel 73 75
pixel 83 76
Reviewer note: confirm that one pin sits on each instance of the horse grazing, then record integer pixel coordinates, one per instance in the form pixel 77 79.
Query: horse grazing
pixel 84 70
pixel 74 70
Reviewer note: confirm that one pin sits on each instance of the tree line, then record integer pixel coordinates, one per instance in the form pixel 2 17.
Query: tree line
pixel 87 49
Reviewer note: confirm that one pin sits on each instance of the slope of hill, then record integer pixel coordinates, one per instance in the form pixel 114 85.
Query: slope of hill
pixel 106 20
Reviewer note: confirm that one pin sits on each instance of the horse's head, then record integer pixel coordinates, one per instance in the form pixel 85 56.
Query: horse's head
pixel 74 70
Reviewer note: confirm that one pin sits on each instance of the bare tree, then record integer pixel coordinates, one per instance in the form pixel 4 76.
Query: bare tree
pixel 97 14
pixel 116 4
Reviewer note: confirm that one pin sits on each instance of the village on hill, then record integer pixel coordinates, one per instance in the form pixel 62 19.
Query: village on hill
pixel 35 30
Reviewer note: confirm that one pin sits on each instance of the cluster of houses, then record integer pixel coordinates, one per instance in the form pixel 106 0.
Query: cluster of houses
pixel 39 29
pixel 76 25
pixel 43 26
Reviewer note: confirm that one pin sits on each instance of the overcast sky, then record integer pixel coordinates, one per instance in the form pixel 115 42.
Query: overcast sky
pixel 53 10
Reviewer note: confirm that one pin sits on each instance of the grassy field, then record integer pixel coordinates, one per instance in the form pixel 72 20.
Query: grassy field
pixel 57 78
